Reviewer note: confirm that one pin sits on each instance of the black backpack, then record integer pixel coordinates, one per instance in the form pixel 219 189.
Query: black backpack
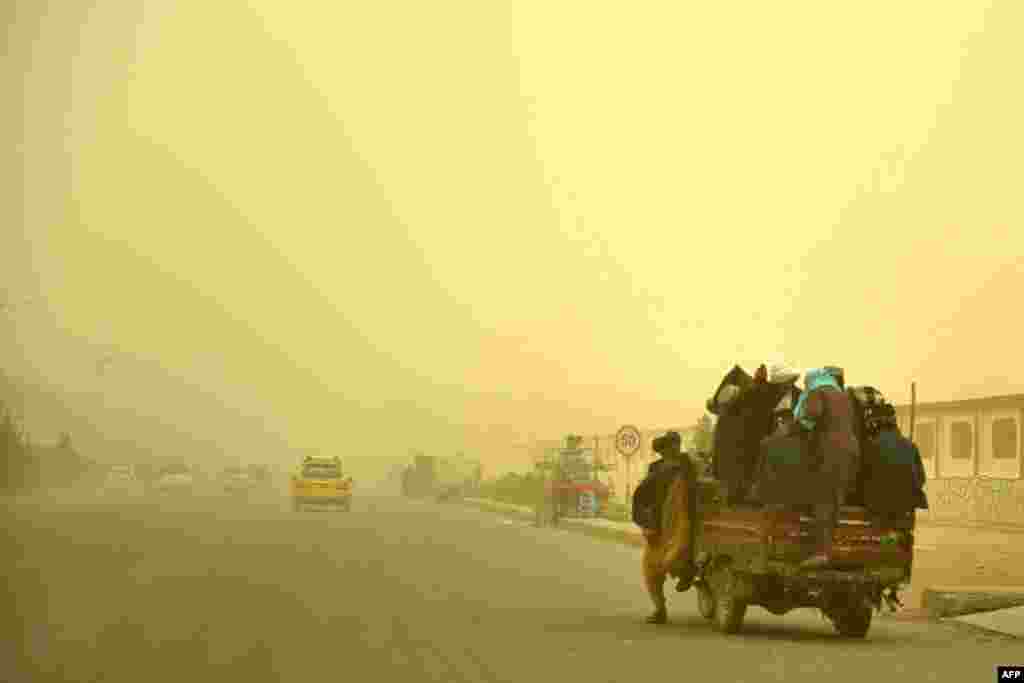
pixel 649 496
pixel 645 504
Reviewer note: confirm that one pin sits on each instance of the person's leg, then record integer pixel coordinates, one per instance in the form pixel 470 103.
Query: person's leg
pixel 825 519
pixel 677 556
pixel 654 579
pixel 841 465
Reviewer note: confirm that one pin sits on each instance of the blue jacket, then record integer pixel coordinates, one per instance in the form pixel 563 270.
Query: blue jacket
pixel 815 379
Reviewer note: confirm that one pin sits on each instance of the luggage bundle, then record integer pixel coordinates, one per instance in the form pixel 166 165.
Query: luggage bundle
pixel 746 415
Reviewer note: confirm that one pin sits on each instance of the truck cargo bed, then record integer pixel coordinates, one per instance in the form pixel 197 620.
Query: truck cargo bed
pixel 767 540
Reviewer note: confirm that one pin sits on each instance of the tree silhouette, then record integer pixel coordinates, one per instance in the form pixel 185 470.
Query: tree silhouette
pixel 13 451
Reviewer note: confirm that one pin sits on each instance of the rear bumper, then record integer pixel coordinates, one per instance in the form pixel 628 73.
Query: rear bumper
pixel 322 500
pixel 880 577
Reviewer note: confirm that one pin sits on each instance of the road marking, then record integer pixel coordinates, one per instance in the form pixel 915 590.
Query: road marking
pixel 516 523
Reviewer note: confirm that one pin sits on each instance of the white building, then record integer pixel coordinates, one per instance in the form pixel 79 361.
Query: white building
pixel 966 439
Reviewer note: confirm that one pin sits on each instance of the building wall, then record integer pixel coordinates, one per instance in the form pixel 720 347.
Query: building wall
pixel 973 454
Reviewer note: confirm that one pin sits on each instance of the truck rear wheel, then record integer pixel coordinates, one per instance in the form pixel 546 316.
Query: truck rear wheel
pixel 729 614
pixel 705 601
pixel 852 622
pixel 729 609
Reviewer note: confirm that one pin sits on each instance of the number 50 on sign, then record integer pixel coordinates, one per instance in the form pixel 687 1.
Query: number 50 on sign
pixel 627 441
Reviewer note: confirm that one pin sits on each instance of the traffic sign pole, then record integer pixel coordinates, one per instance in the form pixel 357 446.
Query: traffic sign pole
pixel 627 443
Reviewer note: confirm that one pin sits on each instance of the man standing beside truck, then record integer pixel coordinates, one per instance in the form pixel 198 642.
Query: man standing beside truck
pixel 662 506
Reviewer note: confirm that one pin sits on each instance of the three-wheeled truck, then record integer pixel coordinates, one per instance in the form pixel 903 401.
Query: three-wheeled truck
pixel 748 552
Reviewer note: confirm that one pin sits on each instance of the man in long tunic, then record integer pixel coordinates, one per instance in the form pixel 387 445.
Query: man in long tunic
pixel 662 508
pixel 827 410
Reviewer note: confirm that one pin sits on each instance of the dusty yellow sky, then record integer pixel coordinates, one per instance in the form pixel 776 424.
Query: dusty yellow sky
pixel 399 224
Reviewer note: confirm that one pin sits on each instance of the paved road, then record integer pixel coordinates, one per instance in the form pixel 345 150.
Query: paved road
pixel 209 590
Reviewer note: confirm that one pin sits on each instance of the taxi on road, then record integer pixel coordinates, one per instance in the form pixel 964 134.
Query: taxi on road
pixel 319 481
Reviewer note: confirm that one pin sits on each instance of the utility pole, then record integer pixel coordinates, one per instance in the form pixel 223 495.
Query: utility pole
pixel 913 407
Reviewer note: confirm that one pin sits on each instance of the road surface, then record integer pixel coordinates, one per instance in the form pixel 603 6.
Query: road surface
pixel 214 590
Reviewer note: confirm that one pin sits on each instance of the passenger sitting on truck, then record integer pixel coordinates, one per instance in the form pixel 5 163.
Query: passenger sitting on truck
pixel 662 506
pixel 886 446
pixel 827 410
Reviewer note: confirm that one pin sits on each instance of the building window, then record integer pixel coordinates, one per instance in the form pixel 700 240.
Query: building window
pixel 1004 439
pixel 925 438
pixel 963 440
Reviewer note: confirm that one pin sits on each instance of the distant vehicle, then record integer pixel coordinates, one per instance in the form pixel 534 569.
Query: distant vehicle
pixel 236 481
pixel 456 478
pixel 121 479
pixel 259 476
pixel 420 479
pixel 320 481
pixel 572 487
pixel 174 479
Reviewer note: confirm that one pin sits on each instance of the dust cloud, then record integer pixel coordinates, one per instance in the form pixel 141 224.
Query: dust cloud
pixel 328 226
pixel 235 232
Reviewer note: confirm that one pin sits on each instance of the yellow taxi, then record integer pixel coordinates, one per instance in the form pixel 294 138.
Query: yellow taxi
pixel 319 481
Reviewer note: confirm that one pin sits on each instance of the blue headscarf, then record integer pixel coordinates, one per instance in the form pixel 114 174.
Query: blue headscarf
pixel 815 379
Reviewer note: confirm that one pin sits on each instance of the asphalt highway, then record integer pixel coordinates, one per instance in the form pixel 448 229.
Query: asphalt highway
pixel 199 589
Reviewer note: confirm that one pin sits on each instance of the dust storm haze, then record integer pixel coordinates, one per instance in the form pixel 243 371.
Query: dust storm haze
pixel 387 225
pixel 234 231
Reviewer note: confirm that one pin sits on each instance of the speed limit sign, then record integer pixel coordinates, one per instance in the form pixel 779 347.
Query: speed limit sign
pixel 627 441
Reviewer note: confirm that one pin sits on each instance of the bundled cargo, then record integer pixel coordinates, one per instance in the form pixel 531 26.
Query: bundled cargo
pixel 748 412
